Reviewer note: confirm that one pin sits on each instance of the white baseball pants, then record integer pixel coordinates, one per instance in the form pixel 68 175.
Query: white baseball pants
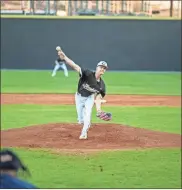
pixel 84 107
pixel 57 66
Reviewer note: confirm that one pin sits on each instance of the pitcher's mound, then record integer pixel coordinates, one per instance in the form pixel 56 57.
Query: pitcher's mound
pixel 100 136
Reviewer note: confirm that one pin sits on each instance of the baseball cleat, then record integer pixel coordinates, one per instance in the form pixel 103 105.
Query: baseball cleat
pixel 83 136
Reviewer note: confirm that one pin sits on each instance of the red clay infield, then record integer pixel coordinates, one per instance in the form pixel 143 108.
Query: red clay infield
pixel 115 100
pixel 107 136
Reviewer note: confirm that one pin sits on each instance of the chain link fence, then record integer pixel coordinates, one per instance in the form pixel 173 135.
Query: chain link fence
pixel 94 7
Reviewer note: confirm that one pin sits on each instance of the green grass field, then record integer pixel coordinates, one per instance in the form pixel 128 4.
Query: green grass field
pixel 122 169
pixel 154 168
pixel 141 116
pixel 117 82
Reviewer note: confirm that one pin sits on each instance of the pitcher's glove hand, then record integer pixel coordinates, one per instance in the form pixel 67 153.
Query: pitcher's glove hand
pixel 104 116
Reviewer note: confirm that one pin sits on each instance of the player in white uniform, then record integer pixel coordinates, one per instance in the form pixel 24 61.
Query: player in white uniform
pixel 59 64
pixel 91 89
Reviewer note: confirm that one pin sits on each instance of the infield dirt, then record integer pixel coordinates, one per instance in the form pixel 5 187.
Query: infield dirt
pixel 107 136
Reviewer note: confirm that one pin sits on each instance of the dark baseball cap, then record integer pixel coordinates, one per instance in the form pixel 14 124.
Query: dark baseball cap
pixel 10 161
pixel 102 63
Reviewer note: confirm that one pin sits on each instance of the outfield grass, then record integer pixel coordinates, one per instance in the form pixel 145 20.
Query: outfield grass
pixel 116 82
pixel 123 169
pixel 156 118
pixel 154 168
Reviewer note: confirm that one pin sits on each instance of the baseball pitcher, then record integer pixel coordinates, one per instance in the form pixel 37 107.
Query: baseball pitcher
pixel 59 64
pixel 91 89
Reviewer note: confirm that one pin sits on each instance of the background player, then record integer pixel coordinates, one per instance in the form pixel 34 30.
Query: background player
pixel 91 88
pixel 59 64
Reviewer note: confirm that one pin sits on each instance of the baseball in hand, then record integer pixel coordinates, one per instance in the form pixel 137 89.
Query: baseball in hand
pixel 58 48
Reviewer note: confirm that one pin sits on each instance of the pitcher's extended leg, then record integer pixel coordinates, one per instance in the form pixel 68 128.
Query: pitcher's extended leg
pixel 87 115
pixel 80 101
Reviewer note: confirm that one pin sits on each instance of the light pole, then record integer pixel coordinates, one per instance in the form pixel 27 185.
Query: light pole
pixel 171 8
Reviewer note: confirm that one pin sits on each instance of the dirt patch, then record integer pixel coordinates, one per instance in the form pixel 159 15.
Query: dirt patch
pixel 115 100
pixel 62 137
pixel 101 136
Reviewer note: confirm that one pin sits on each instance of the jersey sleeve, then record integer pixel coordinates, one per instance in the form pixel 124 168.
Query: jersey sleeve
pixel 84 72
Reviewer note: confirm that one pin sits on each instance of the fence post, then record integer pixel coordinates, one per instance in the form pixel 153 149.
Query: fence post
pixel 81 4
pixel 102 6
pixel 75 6
pixel 32 7
pixel 55 7
pixel 171 8
pixel 97 6
pixel 107 6
pixel 47 7
pixel 122 5
pixel 86 5
pixel 141 9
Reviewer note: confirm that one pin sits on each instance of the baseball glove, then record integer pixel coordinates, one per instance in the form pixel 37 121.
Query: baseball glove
pixel 104 116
